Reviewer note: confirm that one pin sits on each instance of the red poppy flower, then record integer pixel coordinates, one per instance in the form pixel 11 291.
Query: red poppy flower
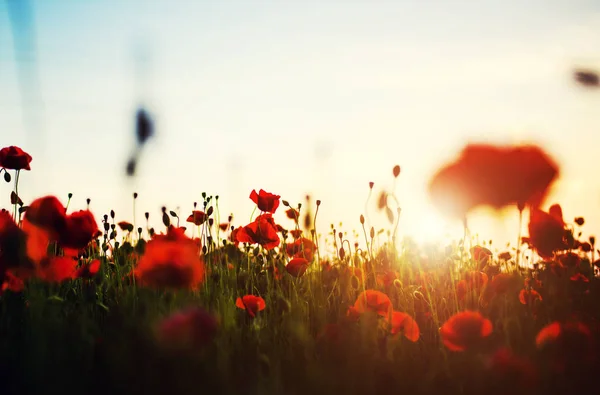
pixel 171 261
pixel 292 214
pixel 47 213
pixel 12 245
pixel 57 269
pixel 12 283
pixel 302 248
pixel 529 296
pixel 80 229
pixel 197 217
pixel 464 330
pixel 14 158
pixel 481 255
pixel 512 370
pixel 89 270
pixel 386 278
pixel 262 231
pixel 374 301
pixel 126 226
pixel 265 201
pixel 296 233
pixel 493 176
pixel 557 331
pixel 505 256
pixel 405 324
pixel 251 303
pixel 189 328
pixel 547 232
pixel 297 266
pixel 567 344
pixel 224 226
pixel 579 278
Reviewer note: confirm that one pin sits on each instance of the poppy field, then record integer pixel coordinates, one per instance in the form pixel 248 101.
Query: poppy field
pixel 206 304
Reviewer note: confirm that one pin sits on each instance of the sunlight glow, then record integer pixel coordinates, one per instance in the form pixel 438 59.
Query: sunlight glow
pixel 432 228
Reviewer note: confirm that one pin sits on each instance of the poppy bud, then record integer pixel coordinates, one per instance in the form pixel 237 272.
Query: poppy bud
pixel 88 201
pixel 372 232
pixel 147 215
pixel 112 214
pixel 362 219
pixel 210 210
pixel 318 203
pixel 342 253
pixel 70 195
pixel 6 176
pixel 579 221
pixel 396 171
pixel 165 219
pixel 592 240
pixel 371 184
pixel 135 195
pixel 173 213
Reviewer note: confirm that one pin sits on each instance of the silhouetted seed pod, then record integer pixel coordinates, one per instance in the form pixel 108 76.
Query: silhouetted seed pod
pixel 144 126
pixel 165 219
pixel 587 78
pixel 131 165
pixel 6 176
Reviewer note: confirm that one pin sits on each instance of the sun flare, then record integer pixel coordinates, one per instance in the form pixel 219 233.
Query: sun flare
pixel 432 228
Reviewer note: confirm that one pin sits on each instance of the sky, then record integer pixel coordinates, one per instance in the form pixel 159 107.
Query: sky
pixel 298 97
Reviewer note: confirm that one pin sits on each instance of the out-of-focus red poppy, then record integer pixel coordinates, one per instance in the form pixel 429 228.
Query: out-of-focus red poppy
pixel 197 217
pixel 547 232
pixel 14 158
pixel 296 233
pixel 405 324
pixel 481 255
pixel 558 331
pixel 297 266
pixel 505 256
pixel 374 301
pixel 37 241
pixel 89 270
pixel 494 176
pixel 126 226
pixel 529 296
pixel 262 231
pixel 502 282
pixel 566 343
pixel 464 330
pixel 12 283
pixel 331 333
pixel 190 328
pixel 57 269
pixel 265 201
pixel 579 278
pixel 512 370
pixel 302 248
pixel 81 229
pixel 224 226
pixel 251 303
pixel 386 278
pixel 352 314
pixel 532 282
pixel 47 213
pixel 292 213
pixel 569 259
pixel 13 253
pixel 171 261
